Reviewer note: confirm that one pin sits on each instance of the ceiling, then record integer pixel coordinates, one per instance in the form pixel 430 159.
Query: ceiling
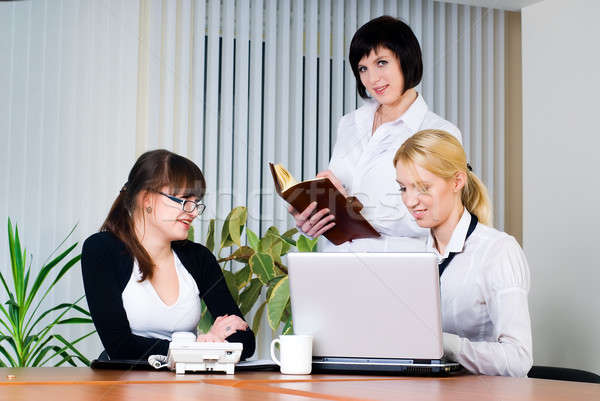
pixel 511 5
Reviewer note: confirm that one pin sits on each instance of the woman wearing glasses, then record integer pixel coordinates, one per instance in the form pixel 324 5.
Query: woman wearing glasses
pixel 143 279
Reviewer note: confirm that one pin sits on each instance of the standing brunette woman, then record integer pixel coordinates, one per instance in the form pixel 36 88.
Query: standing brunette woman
pixel 484 277
pixel 385 57
pixel 143 279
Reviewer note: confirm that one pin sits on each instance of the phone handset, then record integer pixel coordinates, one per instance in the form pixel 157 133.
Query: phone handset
pixel 160 361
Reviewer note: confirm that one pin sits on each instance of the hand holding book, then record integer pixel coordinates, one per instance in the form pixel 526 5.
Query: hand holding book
pixel 321 206
pixel 311 223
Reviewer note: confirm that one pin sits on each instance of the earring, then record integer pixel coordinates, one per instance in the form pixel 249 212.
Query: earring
pixel 148 210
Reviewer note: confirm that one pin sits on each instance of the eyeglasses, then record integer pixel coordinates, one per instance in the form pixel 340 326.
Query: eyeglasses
pixel 187 206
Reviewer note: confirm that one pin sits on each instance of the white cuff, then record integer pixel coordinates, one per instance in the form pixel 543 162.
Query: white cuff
pixel 452 346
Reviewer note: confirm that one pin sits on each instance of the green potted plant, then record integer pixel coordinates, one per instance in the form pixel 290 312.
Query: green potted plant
pixel 255 267
pixel 28 334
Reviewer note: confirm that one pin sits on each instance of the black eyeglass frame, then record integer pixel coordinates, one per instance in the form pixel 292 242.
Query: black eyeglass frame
pixel 198 205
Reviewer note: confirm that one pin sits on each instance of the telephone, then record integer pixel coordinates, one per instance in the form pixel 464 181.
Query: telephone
pixel 187 355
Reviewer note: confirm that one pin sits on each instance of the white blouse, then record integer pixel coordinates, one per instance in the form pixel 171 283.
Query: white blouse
pixel 362 161
pixel 150 317
pixel 485 314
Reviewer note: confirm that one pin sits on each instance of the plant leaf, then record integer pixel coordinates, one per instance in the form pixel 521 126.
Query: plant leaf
pixel 249 296
pixel 226 240
pixel 44 271
pixel 262 265
pixel 231 284
pixel 252 239
pixel 272 244
pixel 257 318
pixel 7 355
pixel 71 346
pixel 40 352
pixel 241 255
pixel 16 260
pixel 206 319
pixel 4 284
pixel 210 237
pixel 273 230
pixel 13 311
pixel 61 273
pixel 242 276
pixel 305 244
pixel 266 242
pixel 72 320
pixel 42 334
pixel 272 285
pixel 237 221
pixel 288 328
pixel 190 235
pixel 277 249
pixel 277 302
pixel 290 233
pixel 55 308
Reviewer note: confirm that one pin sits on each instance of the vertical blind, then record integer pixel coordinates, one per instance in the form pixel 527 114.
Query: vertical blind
pixel 68 78
pixel 235 84
pixel 86 86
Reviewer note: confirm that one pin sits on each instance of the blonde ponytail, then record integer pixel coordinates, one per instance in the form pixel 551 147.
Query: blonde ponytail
pixel 442 154
pixel 475 198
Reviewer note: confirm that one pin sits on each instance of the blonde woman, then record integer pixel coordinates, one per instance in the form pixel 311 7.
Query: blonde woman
pixel 484 277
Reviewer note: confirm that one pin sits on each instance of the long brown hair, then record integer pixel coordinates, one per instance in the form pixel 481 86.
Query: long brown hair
pixel 151 172
pixel 443 155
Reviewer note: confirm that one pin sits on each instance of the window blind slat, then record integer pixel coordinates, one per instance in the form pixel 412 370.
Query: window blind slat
pixel 255 116
pixel 282 105
pixel 296 88
pixel 211 133
pixel 475 108
pixel 452 40
pixel 350 26
pixel 182 78
pixel 499 119
pixel 167 76
pixel 488 154
pixel 337 71
pixel 310 89
pixel 226 83
pixel 240 129
pixel 324 90
pixel 464 78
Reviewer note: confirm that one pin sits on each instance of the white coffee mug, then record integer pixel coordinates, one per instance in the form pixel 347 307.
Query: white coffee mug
pixel 295 352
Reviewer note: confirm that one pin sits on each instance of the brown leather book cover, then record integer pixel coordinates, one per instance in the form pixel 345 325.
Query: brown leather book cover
pixel 349 223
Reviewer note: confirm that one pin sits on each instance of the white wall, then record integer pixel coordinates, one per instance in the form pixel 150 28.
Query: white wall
pixel 561 191
pixel 68 79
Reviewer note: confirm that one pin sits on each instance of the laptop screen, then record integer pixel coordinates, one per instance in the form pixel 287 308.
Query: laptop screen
pixel 367 305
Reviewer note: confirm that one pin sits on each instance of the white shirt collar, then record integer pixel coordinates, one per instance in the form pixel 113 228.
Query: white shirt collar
pixel 413 117
pixel 457 240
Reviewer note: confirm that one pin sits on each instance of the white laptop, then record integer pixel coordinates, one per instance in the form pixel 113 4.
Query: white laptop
pixel 369 311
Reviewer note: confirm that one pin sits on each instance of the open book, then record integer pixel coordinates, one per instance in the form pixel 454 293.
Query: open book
pixel 349 223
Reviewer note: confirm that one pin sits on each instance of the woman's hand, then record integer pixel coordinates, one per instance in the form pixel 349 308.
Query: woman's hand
pixel 209 338
pixel 310 223
pixel 314 223
pixel 334 180
pixel 223 327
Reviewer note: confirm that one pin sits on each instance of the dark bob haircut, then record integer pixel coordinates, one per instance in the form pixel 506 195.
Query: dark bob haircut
pixel 395 35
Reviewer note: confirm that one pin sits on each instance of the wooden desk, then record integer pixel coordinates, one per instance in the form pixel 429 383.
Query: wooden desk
pixel 64 384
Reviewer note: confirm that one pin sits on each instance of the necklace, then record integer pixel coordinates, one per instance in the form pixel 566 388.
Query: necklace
pixel 378 119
